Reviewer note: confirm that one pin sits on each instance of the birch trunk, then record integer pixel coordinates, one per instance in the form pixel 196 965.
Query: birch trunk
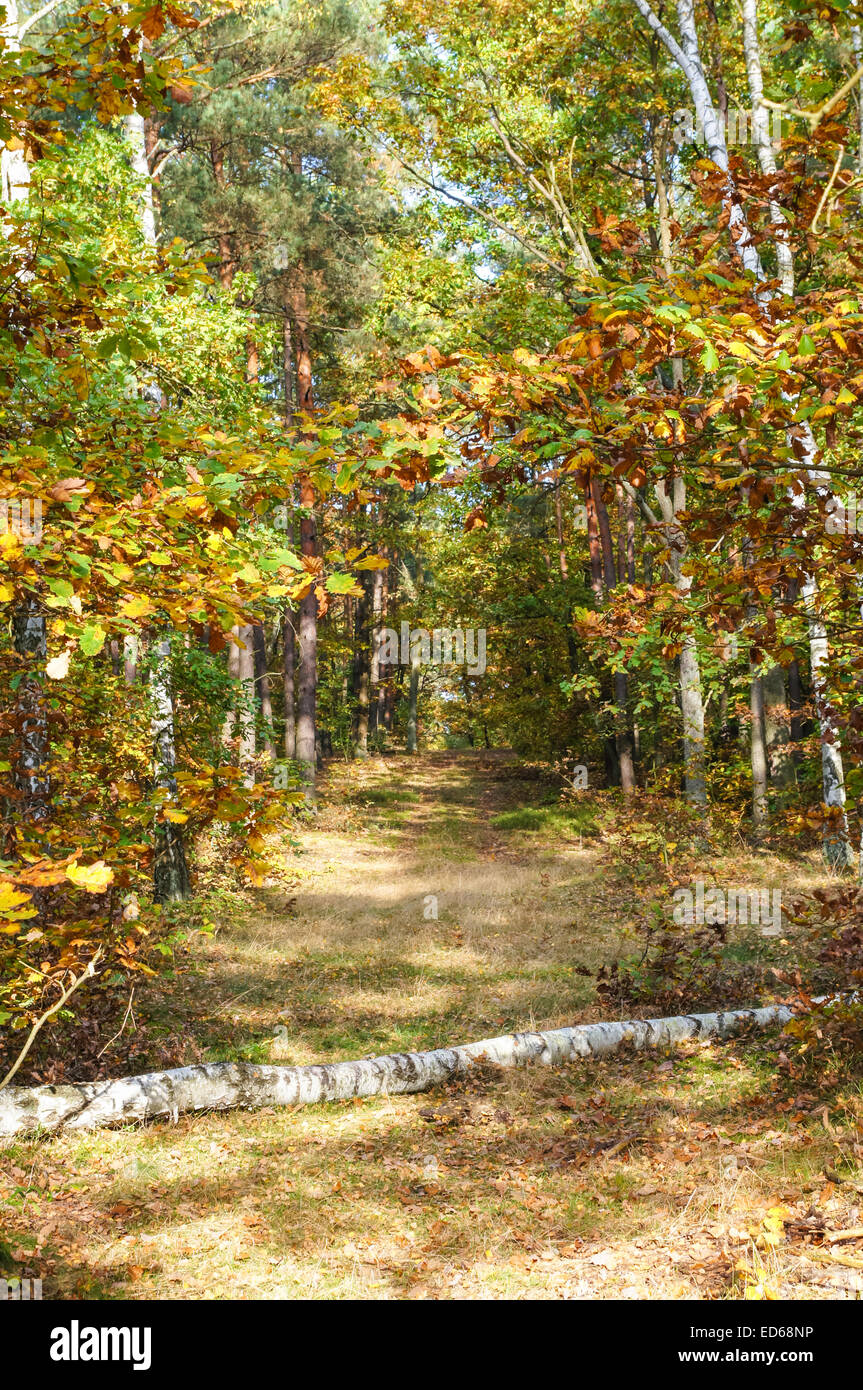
pixel 622 736
pixel 170 873
pixel 761 139
pixel 691 697
pixel 240 1085
pixel 29 627
pixel 262 686
pixel 246 702
pixel 837 848
pixel 758 753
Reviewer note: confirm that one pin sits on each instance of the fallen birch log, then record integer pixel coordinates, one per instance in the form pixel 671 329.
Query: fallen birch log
pixel 244 1086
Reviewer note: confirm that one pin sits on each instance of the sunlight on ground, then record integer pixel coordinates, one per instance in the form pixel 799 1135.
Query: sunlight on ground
pixel 640 1177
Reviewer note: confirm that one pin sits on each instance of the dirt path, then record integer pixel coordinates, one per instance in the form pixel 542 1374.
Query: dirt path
pixel 644 1177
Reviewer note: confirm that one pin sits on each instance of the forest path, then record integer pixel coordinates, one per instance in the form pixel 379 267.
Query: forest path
pixel 639 1177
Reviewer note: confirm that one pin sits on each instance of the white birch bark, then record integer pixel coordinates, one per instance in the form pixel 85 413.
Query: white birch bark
pixel 240 1085
pixel 761 139
pixel 170 872
pixel 857 44
pixel 837 848
pixel 29 626
pixel 691 698
pixel 14 169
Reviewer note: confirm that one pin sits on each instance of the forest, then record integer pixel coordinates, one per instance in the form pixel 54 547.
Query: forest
pixel 431 680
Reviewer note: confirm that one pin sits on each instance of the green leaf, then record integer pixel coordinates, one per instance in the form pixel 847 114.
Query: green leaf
pixel 710 358
pixel 92 639
pixel 342 584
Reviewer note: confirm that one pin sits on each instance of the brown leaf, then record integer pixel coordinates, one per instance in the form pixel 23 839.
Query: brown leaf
pixel 69 487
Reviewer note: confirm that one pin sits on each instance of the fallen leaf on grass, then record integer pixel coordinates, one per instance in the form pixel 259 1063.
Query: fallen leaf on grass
pixel 606 1259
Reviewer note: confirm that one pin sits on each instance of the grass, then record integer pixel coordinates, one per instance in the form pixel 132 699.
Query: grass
pixel 639 1176
pixel 577 820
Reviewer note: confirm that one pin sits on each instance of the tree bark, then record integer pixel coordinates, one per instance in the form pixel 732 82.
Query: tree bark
pixel 300 312
pixel 242 1085
pixel 413 702
pixel 307 682
pixel 288 664
pixel 375 648
pixel 32 742
pixel 837 847
pixel 622 737
pixel 30 715
pixel 758 753
pixel 262 686
pixel 227 263
pixel 777 728
pixel 171 882
pixel 362 640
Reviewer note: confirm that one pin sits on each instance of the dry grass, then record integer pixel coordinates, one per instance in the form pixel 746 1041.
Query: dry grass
pixel 641 1177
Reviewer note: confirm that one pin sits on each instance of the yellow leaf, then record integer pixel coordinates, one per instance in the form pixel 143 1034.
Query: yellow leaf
pixel 136 607
pixel 11 899
pixel 93 877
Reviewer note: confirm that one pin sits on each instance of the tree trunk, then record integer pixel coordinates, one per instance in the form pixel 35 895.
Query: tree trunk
pixel 288 662
pixel 363 661
pixel 837 848
pixel 246 703
pixel 413 701
pixel 227 263
pixel 299 308
pixel 170 872
pixel 253 361
pixel 29 627
pixel 288 366
pixel 623 738
pixel 233 661
pixel 383 668
pixel 30 715
pixel 262 685
pixel 594 548
pixel 171 881
pixel 758 753
pixel 777 728
pixel 307 683
pixel 244 1086
pixel 761 139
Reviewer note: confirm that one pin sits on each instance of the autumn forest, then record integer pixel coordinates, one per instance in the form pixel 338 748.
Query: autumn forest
pixel 431 680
